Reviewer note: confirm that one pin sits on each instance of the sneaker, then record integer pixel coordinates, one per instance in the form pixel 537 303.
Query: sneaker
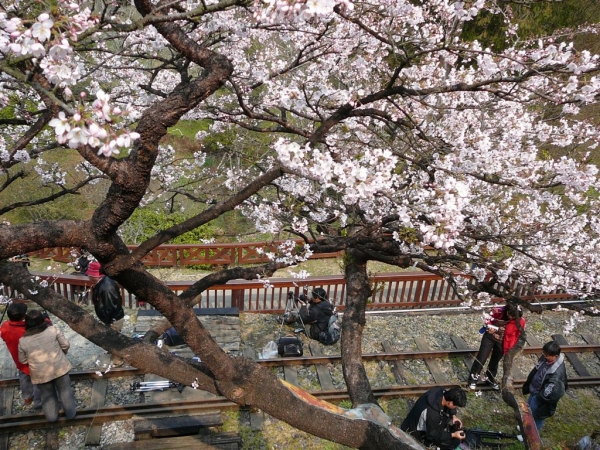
pixel 472 385
pixel 493 385
pixel 28 401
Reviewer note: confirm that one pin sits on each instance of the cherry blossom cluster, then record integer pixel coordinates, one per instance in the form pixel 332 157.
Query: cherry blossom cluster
pixel 485 149
pixel 290 10
pixel 47 40
pixel 81 129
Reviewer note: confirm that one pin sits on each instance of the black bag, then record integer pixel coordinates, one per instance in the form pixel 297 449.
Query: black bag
pixel 171 337
pixel 290 346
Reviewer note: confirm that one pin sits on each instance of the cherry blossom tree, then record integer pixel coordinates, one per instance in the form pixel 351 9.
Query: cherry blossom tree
pixel 372 128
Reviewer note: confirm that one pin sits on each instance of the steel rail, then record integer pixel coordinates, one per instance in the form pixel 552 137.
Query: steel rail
pixel 326 359
pixel 394 356
pixel 84 375
pixel 89 416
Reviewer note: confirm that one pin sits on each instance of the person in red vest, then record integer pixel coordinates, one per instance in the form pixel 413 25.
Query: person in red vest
pixel 10 332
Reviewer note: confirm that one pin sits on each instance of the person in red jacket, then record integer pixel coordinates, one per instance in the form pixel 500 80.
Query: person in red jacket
pixel 512 331
pixel 10 332
pixel 496 343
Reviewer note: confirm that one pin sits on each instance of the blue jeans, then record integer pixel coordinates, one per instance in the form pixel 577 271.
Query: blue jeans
pixel 534 405
pixel 56 393
pixel 29 390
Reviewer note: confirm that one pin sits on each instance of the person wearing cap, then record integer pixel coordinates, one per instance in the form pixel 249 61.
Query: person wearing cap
pixel 108 303
pixel 315 312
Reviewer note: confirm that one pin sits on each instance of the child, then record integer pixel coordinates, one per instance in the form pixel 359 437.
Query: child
pixel 11 331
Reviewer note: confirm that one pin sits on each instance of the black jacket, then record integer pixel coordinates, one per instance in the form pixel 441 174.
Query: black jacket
pixel 107 300
pixel 318 315
pixel 553 387
pixel 429 421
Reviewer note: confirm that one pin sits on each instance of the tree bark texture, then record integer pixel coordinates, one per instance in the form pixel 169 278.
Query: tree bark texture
pixel 357 294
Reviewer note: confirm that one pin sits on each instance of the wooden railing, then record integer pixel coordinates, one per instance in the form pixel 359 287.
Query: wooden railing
pixel 391 291
pixel 183 255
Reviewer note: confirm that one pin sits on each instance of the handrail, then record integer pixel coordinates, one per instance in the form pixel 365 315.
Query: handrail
pixel 391 291
pixel 184 255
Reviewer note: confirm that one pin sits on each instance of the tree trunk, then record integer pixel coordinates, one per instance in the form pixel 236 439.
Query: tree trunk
pixel 358 292
pixel 515 400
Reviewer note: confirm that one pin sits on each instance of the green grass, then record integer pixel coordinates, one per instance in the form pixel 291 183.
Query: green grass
pixel 189 128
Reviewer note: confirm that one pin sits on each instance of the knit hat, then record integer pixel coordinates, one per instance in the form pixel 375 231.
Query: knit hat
pixel 94 270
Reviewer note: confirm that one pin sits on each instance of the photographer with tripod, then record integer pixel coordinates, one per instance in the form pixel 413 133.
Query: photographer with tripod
pixel 317 312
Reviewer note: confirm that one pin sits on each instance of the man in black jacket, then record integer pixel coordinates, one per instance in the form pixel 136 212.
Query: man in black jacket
pixel 108 303
pixel 546 383
pixel 433 419
pixel 315 312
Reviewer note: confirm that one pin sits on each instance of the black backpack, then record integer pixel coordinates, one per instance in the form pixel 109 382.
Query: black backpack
pixel 290 346
pixel 172 338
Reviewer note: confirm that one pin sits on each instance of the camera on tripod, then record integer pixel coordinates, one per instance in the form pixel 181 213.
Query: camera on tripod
pixel 301 298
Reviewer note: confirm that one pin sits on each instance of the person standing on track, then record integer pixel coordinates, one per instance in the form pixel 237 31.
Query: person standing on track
pixel 500 334
pixel 44 348
pixel 11 332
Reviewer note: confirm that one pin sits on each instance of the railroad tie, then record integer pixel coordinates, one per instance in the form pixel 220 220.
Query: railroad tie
pixel 322 369
pixel 432 364
pixel 460 344
pixel 257 417
pixel 572 357
pixel 221 441
pixel 396 366
pixel 590 340
pixel 6 399
pixel 160 427
pixel 99 388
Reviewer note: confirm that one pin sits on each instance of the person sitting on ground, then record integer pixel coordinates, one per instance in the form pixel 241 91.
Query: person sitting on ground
pixel 315 312
pixel 44 348
pixel 10 332
pixel 83 262
pixel 432 420
pixel 546 383
pixel 497 342
pixel 108 303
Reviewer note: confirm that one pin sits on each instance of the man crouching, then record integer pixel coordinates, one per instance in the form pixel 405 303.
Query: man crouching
pixel 433 421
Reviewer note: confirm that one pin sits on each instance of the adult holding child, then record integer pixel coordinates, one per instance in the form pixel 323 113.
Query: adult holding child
pixel 43 347
pixel 501 332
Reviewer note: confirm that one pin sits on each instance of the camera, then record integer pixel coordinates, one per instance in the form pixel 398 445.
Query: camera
pixel 455 427
pixel 291 295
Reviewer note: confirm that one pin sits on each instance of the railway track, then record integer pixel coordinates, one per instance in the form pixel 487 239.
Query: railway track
pixel 288 367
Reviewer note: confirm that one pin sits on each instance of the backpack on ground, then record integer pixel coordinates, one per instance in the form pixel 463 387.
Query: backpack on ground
pixel 172 338
pixel 290 346
pixel 333 333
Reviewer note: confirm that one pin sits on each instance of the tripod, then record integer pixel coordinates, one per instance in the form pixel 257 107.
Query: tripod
pixel 291 306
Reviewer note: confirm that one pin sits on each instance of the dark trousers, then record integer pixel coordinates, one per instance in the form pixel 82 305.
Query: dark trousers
pixel 488 346
pixel 57 393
